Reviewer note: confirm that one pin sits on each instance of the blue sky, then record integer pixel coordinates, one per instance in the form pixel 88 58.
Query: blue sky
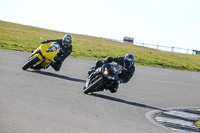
pixel 163 22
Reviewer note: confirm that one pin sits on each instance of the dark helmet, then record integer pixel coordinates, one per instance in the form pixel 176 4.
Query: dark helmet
pixel 67 41
pixel 129 60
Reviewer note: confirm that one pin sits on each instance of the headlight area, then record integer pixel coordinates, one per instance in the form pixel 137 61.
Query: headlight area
pixel 111 78
pixel 105 72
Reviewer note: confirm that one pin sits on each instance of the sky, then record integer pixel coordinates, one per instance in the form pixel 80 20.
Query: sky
pixel 161 22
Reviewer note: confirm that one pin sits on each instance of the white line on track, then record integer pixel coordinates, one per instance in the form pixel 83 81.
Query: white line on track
pixel 179 120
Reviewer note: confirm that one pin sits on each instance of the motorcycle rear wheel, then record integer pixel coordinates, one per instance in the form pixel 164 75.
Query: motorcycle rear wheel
pixel 93 85
pixel 30 63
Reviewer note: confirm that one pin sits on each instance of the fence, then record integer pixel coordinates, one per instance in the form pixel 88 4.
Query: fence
pixel 168 49
pixel 163 48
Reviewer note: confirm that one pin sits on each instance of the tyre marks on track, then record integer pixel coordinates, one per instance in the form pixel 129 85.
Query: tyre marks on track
pixel 181 121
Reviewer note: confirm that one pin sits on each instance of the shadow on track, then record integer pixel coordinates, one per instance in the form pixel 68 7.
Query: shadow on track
pixel 124 101
pixel 59 76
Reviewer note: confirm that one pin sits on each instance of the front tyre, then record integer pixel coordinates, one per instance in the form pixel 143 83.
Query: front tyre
pixel 93 85
pixel 30 63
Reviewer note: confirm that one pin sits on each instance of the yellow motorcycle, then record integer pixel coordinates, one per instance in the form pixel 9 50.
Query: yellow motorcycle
pixel 43 56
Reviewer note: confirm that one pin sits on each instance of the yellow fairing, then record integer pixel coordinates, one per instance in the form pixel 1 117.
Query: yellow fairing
pixel 197 123
pixel 49 56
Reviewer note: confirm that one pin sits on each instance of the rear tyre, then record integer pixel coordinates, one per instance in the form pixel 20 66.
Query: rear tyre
pixel 30 63
pixel 93 85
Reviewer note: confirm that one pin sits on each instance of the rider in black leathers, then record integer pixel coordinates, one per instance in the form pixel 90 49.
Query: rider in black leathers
pixel 126 61
pixel 65 51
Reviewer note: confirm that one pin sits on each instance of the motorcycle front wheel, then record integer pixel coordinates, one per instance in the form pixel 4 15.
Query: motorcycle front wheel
pixel 30 63
pixel 93 85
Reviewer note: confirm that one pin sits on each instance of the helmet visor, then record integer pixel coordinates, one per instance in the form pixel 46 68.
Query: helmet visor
pixel 66 43
pixel 128 63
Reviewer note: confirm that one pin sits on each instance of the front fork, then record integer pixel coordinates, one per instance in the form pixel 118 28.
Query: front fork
pixel 39 56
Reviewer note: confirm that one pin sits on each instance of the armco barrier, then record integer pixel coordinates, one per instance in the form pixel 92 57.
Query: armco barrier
pixel 169 49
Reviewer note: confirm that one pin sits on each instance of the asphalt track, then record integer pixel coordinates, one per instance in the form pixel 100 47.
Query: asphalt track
pixel 53 102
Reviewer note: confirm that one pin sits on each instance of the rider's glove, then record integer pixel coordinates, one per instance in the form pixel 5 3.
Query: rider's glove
pixel 104 61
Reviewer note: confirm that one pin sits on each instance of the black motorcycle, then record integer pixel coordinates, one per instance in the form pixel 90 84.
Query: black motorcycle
pixel 103 77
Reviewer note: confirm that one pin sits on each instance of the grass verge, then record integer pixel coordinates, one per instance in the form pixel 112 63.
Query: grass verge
pixel 26 38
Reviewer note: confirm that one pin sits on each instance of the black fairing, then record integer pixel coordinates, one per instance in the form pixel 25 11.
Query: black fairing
pixel 113 69
pixel 110 77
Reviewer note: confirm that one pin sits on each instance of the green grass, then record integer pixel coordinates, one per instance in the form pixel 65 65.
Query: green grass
pixel 26 38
